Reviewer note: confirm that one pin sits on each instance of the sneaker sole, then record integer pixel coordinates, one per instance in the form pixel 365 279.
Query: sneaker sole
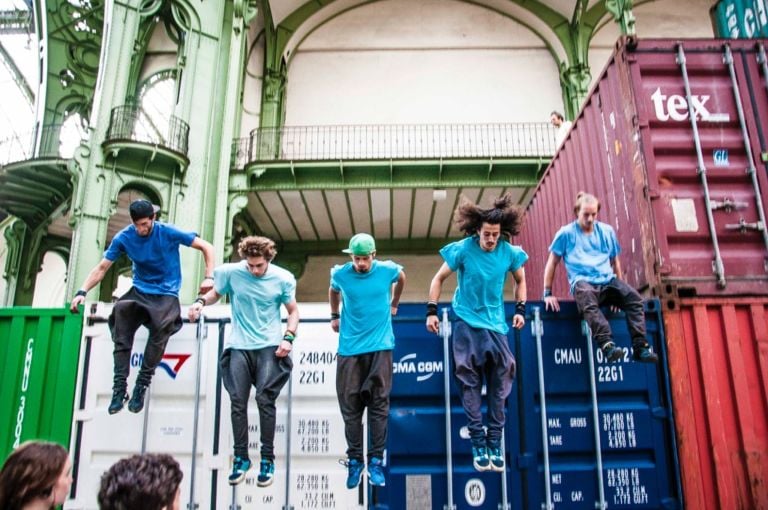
pixel 382 484
pixel 237 480
pixel 264 484
pixel 498 469
pixel 481 468
pixel 115 411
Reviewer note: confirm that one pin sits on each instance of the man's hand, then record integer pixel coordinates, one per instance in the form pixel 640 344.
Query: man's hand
pixel 433 324
pixel 205 285
pixel 335 325
pixel 518 321
pixel 393 310
pixel 76 301
pixel 194 311
pixel 284 349
pixel 551 303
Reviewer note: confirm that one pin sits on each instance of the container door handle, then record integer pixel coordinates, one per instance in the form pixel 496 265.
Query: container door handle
pixel 445 332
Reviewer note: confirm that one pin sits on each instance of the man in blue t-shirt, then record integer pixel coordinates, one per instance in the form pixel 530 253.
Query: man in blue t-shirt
pixel 591 250
pixel 364 288
pixel 256 353
pixel 153 301
pixel 479 343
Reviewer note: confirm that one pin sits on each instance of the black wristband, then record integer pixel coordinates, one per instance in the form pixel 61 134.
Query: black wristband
pixel 520 308
pixel 200 300
pixel 547 292
pixel 431 308
pixel 335 315
pixel 81 292
pixel 289 337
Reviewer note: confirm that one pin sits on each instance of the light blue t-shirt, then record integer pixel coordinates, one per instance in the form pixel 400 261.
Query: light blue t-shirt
pixel 587 256
pixel 479 296
pixel 155 258
pixel 366 318
pixel 256 302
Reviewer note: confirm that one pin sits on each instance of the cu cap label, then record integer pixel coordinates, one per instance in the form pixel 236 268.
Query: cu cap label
pixel 474 492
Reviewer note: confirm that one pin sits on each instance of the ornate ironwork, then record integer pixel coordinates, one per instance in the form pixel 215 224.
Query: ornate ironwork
pixel 129 122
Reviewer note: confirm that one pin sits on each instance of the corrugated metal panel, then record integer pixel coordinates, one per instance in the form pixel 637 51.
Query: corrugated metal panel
pixel 633 146
pixel 39 348
pixel 634 422
pixel 718 363
pixel 741 19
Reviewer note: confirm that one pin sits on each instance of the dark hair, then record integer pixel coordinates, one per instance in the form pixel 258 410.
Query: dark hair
pixel 257 246
pixel 557 114
pixel 470 218
pixel 30 473
pixel 582 197
pixel 148 481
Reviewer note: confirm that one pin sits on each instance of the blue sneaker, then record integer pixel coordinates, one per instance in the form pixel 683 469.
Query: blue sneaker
pixel 376 472
pixel 240 466
pixel 354 471
pixel 644 354
pixel 266 473
pixel 611 353
pixel 480 459
pixel 496 458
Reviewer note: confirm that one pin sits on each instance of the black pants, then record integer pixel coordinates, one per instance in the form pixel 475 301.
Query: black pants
pixel 162 317
pixel 590 297
pixel 260 368
pixel 364 380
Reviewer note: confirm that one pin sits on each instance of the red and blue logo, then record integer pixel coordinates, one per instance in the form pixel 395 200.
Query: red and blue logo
pixel 170 363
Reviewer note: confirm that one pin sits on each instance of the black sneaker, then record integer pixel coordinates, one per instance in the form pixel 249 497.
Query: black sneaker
pixel 119 398
pixel 136 404
pixel 644 354
pixel 611 353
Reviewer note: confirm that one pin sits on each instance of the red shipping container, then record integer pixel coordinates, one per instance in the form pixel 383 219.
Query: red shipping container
pixel 687 197
pixel 718 364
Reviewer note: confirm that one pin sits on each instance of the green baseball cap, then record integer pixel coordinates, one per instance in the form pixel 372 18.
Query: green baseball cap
pixel 361 244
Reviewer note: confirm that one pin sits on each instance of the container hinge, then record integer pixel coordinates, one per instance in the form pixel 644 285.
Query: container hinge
pixel 727 205
pixel 742 226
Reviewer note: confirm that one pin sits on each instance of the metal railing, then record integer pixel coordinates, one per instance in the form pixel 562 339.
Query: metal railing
pixel 131 122
pixel 40 143
pixel 395 141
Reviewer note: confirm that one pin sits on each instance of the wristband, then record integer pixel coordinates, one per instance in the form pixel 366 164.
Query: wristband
pixel 547 292
pixel 289 336
pixel 208 278
pixel 81 292
pixel 431 308
pixel 335 315
pixel 520 308
pixel 200 300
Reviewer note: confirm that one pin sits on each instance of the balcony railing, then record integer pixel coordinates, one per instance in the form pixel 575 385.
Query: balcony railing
pixel 405 141
pixel 47 142
pixel 130 122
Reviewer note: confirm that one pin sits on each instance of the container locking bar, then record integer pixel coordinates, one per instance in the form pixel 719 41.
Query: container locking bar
pixel 728 205
pixel 601 504
pixel 537 327
pixel 748 147
pixel 744 226
pixel 719 270
pixel 445 332
pixel 202 332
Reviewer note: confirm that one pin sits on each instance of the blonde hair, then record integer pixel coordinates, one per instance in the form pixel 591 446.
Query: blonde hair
pixel 582 197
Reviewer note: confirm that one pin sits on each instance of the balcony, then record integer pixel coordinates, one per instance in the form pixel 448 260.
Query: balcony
pixel 143 143
pixel 34 180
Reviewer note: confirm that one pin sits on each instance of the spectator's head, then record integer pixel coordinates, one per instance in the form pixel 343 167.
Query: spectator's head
pixel 150 481
pixel 504 218
pixel 586 208
pixel 556 118
pixel 36 474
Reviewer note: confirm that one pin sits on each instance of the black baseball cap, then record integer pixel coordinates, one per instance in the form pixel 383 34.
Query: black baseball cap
pixel 142 208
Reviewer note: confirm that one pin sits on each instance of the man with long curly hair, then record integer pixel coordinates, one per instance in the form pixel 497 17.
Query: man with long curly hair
pixel 480 348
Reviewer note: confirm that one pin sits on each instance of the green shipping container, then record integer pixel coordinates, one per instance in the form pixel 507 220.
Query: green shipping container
pixel 39 356
pixel 741 19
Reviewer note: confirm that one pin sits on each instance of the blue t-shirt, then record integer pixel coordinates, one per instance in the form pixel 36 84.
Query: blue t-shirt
pixel 155 258
pixel 587 256
pixel 479 296
pixel 366 317
pixel 256 302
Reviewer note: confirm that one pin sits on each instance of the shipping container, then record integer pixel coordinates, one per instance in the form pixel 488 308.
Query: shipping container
pixel 740 19
pixel 39 355
pixel 718 364
pixel 634 423
pixel 686 194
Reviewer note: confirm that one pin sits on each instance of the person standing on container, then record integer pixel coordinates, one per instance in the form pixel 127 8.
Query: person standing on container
pixel 480 347
pixel 369 291
pixel 591 250
pixel 153 301
pixel 257 352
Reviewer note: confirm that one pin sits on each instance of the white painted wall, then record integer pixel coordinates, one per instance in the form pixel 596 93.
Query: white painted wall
pixel 432 61
pixel 51 282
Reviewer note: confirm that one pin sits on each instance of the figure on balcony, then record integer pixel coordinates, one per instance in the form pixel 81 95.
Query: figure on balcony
pixel 482 261
pixel 563 126
pixel 153 301
pixel 257 352
pixel 369 291
pixel 591 250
